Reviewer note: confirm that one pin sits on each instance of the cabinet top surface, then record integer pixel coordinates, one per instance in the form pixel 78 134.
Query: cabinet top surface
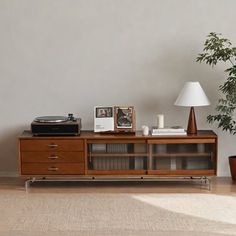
pixel 88 134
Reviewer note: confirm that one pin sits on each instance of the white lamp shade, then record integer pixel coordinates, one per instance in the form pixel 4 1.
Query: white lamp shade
pixel 192 95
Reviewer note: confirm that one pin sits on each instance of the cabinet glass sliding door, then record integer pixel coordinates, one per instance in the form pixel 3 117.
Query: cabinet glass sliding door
pixel 105 157
pixel 181 158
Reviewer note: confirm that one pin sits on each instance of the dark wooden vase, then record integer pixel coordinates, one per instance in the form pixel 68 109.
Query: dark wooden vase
pixel 232 164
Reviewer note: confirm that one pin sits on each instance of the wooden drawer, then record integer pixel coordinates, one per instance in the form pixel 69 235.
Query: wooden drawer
pixel 51 144
pixel 52 157
pixel 52 169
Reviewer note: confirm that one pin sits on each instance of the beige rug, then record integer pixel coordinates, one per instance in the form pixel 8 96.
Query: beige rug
pixel 37 214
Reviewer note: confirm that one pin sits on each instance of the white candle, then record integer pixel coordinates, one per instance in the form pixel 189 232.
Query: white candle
pixel 145 130
pixel 160 121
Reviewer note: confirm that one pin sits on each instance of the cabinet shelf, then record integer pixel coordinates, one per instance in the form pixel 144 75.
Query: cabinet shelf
pixel 118 154
pixel 164 154
pixel 208 172
pixel 117 172
pixel 182 154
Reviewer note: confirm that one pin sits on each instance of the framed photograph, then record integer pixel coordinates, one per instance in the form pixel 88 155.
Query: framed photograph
pixel 124 119
pixel 104 112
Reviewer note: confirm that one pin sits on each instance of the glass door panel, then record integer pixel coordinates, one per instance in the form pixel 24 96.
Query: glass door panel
pixel 182 156
pixel 117 156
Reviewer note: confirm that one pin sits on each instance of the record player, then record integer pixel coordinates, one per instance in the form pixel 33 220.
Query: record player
pixel 56 125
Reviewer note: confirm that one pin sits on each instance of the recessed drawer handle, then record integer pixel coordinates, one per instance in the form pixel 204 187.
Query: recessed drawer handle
pixel 53 157
pixel 52 145
pixel 53 169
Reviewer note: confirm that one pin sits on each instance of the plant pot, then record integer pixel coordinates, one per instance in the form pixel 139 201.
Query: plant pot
pixel 232 164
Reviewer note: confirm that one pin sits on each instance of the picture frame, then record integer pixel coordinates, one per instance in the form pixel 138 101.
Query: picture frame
pixel 104 112
pixel 124 119
pixel 103 119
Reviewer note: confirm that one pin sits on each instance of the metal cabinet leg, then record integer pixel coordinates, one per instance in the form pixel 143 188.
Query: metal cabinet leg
pixel 206 181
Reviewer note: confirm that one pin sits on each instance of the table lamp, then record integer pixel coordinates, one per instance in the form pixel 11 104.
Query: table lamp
pixel 192 95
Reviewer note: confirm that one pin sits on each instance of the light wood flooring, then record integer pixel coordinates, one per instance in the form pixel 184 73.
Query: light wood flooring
pixel 219 185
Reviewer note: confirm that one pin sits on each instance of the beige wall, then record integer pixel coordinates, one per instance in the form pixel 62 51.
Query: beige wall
pixel 61 56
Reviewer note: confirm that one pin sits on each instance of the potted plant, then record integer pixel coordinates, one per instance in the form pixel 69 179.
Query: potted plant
pixel 216 49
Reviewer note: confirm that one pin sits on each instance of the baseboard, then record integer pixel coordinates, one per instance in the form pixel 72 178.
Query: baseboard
pixel 8 174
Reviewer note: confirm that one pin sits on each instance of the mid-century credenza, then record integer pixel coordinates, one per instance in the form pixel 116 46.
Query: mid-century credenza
pixel 106 156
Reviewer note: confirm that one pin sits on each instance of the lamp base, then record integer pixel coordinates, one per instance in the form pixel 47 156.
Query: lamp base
pixel 192 124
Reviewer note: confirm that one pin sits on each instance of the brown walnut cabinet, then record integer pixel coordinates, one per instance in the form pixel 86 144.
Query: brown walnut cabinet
pixel 93 155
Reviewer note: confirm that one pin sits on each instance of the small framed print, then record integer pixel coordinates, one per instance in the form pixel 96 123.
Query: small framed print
pixel 103 119
pixel 124 119
pixel 104 112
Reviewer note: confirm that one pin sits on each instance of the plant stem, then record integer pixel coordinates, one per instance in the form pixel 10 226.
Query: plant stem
pixel 231 62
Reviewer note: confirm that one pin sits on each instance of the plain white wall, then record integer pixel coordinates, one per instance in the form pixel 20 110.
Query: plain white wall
pixel 66 56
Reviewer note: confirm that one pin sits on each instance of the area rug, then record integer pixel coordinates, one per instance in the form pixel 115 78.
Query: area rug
pixel 57 214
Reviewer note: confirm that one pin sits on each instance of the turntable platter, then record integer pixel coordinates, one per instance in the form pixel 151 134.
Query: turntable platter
pixel 51 119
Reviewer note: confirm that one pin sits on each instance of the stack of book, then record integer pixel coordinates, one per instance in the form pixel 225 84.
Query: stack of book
pixel 175 130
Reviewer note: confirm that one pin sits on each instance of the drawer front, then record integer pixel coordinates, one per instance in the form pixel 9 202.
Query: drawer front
pixel 52 169
pixel 53 144
pixel 52 157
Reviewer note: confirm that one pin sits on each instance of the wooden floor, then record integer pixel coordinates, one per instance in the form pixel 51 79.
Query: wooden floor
pixel 219 185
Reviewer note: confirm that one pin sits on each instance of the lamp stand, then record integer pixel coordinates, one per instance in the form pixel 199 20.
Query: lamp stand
pixel 192 124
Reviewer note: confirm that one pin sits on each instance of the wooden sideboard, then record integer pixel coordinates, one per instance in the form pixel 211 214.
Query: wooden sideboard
pixel 93 155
